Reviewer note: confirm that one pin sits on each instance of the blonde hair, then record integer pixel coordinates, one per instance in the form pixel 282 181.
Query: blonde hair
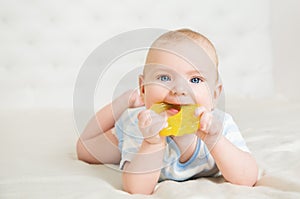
pixel 198 38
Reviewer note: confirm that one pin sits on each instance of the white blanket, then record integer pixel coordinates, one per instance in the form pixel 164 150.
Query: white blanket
pixel 38 157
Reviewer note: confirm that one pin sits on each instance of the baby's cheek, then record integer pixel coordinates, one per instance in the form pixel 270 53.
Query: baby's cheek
pixel 204 99
pixel 154 94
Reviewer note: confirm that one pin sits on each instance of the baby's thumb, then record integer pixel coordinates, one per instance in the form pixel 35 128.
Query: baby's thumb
pixel 199 111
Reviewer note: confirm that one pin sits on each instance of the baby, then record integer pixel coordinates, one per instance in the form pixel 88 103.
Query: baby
pixel 181 69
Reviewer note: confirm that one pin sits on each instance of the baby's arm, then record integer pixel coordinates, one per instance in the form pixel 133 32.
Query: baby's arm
pixel 103 122
pixel 141 174
pixel 237 166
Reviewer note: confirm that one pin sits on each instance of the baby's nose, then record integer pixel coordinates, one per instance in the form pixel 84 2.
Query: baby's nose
pixel 179 88
pixel 178 91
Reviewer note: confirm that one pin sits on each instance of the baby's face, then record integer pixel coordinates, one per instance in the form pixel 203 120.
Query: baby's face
pixel 170 79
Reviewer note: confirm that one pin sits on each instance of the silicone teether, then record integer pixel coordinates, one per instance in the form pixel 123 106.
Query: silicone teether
pixel 184 122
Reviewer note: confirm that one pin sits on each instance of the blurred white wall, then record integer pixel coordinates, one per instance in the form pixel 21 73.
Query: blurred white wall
pixel 286 47
pixel 43 43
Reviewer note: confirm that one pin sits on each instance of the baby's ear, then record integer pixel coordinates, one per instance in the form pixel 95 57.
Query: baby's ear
pixel 141 85
pixel 218 90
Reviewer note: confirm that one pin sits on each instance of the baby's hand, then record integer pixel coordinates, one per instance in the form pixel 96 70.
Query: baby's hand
pixel 210 126
pixel 134 99
pixel 150 124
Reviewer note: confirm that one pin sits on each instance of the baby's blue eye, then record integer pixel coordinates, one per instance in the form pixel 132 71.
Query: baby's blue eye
pixel 195 80
pixel 164 78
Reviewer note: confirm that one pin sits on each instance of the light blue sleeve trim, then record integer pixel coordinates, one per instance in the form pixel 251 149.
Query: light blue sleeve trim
pixel 187 163
pixel 119 133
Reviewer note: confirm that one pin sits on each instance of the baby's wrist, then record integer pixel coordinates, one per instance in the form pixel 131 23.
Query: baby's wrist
pixel 211 140
pixel 155 141
pixel 122 101
pixel 125 98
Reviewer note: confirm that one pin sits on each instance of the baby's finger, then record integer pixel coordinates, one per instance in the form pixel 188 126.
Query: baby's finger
pixel 205 121
pixel 144 118
pixel 199 111
pixel 150 123
pixel 216 126
pixel 209 123
pixel 158 122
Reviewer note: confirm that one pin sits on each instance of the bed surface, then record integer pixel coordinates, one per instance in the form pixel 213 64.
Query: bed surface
pixel 38 157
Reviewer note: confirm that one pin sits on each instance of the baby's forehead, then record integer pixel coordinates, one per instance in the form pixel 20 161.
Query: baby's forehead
pixel 160 60
pixel 183 44
pixel 185 48
pixel 183 57
pixel 178 57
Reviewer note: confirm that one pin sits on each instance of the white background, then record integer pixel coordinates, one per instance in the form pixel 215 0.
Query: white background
pixel 43 44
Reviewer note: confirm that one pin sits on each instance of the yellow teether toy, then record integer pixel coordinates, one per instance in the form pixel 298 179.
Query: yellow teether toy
pixel 183 122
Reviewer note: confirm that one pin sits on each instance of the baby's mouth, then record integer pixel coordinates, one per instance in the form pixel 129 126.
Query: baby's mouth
pixel 173 109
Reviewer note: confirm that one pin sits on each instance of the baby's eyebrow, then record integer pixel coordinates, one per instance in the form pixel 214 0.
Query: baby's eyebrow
pixel 158 66
pixel 195 72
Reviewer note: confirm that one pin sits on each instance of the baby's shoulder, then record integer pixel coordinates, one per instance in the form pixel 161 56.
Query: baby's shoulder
pixel 222 115
pixel 226 119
